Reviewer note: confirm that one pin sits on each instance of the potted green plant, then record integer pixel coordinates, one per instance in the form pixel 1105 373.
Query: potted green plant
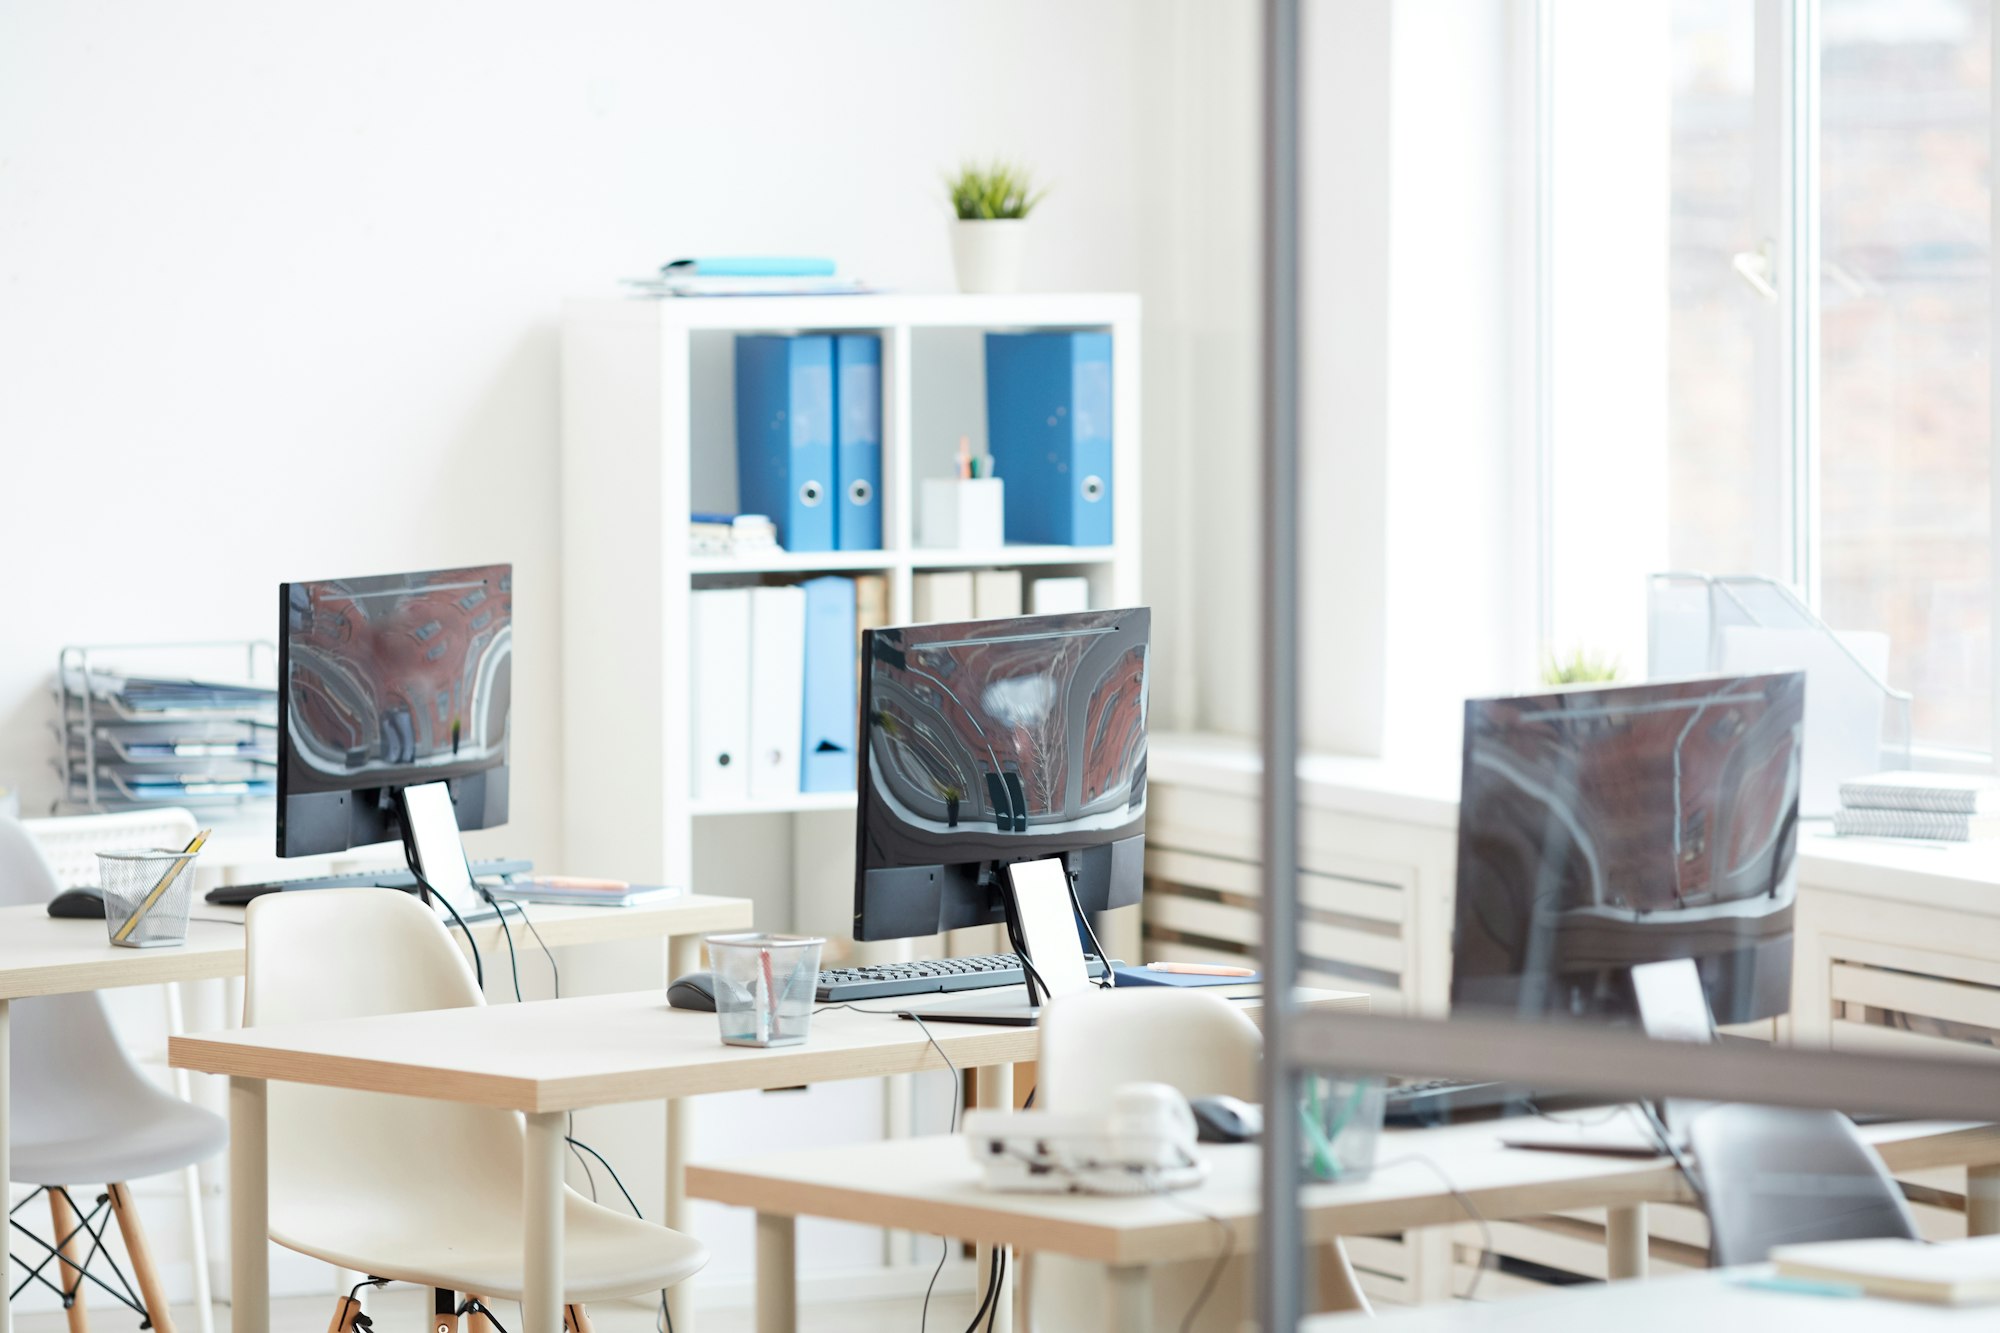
pixel 1583 666
pixel 988 239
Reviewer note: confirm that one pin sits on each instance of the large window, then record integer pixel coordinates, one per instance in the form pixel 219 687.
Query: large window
pixel 1905 434
pixel 1770 321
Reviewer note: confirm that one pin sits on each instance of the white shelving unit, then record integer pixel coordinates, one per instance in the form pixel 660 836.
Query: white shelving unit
pixel 639 396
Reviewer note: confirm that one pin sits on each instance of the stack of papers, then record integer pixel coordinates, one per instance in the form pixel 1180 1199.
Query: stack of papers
pixel 1944 807
pixel 731 534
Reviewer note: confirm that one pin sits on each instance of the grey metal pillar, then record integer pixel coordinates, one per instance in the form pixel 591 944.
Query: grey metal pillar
pixel 1281 1252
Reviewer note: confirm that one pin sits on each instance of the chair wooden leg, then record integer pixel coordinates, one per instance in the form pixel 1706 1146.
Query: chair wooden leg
pixel 477 1322
pixel 575 1320
pixel 444 1310
pixel 346 1310
pixel 63 1217
pixel 141 1253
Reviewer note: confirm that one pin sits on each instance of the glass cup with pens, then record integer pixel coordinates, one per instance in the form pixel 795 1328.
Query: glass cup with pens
pixel 764 986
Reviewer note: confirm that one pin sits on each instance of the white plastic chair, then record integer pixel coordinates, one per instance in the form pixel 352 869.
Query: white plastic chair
pixel 409 1188
pixel 83 1113
pixel 1093 1043
pixel 71 844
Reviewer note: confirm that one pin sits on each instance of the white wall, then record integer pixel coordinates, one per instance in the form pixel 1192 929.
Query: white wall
pixel 1411 247
pixel 278 291
pixel 280 282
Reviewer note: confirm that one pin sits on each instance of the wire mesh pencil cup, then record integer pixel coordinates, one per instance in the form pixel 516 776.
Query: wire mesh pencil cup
pixel 155 886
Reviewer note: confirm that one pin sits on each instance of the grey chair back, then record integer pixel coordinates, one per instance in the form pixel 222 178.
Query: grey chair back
pixel 1779 1176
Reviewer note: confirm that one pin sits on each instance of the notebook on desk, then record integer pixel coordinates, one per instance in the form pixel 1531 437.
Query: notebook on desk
pixel 1959 1272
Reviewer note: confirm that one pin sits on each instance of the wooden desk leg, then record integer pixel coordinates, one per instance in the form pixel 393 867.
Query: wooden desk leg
pixel 249 1209
pixel 683 956
pixel 1024 1291
pixel 777 1274
pixel 1625 1242
pixel 1982 1200
pixel 1131 1298
pixel 542 1240
pixel 995 1092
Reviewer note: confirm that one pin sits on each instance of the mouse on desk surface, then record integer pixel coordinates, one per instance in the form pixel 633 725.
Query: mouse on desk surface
pixel 1226 1120
pixel 693 990
pixel 78 904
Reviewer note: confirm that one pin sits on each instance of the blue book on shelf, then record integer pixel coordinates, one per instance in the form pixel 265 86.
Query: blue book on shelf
pixel 857 461
pixel 827 750
pixel 1048 427
pixel 784 436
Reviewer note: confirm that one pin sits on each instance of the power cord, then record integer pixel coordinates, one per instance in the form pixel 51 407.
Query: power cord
pixel 1110 980
pixel 577 1147
pixel 957 1110
pixel 1464 1201
pixel 410 859
pixel 1673 1150
pixel 1221 1260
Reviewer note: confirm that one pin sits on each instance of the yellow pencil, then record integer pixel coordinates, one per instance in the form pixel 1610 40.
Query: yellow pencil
pixel 166 882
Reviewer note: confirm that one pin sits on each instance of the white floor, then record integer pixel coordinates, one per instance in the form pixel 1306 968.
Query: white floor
pixel 407 1310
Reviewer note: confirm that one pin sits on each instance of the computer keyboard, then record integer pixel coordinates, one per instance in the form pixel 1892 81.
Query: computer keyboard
pixel 1440 1100
pixel 236 895
pixel 929 976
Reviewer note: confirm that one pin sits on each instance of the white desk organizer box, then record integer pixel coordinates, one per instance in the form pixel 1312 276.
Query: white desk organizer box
pixel 962 514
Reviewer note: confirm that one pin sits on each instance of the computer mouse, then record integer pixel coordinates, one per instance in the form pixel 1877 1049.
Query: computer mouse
pixel 1226 1120
pixel 693 990
pixel 78 904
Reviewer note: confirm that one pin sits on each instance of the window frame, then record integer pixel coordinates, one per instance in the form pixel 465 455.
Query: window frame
pixel 1787 367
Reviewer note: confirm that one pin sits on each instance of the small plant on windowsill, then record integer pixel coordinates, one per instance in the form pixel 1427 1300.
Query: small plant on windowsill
pixel 1582 666
pixel 991 204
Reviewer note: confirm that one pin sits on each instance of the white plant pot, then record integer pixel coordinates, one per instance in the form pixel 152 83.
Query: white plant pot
pixel 987 253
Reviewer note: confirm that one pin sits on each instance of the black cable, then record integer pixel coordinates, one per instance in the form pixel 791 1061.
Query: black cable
pixel 410 859
pixel 999 1281
pixel 1221 1260
pixel 478 968
pixel 485 1312
pixel 513 957
pixel 555 976
pixel 957 1109
pixel 1451 1187
pixel 1672 1149
pixel 578 1143
pixel 1110 980
pixel 988 1306
pixel 944 1253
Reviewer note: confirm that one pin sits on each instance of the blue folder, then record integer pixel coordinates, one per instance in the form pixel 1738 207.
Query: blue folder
pixel 1048 427
pixel 784 436
pixel 857 445
pixel 1139 976
pixel 827 748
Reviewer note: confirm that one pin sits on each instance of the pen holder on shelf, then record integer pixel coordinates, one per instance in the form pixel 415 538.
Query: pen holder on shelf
pixel 1340 1120
pixel 957 513
pixel 764 986
pixel 154 886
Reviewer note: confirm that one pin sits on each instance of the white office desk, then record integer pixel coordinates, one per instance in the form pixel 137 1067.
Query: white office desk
pixel 1715 1302
pixel 40 955
pixel 1427 1177
pixel 527 1058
